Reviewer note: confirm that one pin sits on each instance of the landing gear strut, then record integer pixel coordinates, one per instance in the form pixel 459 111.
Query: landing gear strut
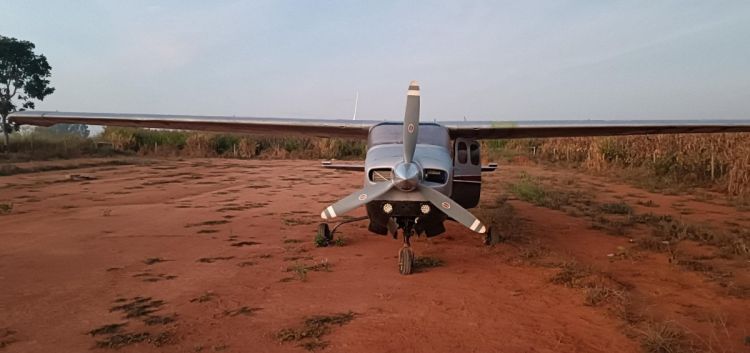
pixel 326 233
pixel 406 255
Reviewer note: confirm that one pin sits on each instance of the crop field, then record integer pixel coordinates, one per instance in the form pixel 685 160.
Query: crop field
pixel 146 254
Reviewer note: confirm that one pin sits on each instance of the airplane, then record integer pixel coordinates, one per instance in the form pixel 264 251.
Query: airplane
pixel 417 174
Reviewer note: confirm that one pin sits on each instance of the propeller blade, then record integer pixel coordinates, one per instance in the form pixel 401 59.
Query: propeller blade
pixel 411 121
pixel 452 209
pixel 355 200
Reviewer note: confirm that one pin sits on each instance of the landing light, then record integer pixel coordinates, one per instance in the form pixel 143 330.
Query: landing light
pixel 425 209
pixel 387 208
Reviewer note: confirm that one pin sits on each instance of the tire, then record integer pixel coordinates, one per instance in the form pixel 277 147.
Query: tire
pixel 324 232
pixel 488 240
pixel 405 261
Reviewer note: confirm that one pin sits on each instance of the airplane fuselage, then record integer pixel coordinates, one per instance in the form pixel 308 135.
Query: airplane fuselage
pixel 434 156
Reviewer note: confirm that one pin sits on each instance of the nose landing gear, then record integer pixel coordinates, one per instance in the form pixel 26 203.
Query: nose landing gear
pixel 406 255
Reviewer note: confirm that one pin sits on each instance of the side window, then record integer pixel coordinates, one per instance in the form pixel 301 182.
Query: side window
pixel 462 153
pixel 474 154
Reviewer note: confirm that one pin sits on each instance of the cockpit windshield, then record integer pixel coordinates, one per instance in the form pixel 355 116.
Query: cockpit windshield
pixel 388 133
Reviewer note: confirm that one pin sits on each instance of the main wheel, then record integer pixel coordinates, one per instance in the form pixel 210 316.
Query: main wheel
pixel 324 232
pixel 488 239
pixel 405 261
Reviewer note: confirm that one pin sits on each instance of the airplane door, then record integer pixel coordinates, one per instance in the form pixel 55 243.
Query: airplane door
pixel 467 172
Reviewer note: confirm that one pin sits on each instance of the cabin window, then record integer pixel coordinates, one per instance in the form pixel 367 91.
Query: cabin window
pixel 474 154
pixel 462 153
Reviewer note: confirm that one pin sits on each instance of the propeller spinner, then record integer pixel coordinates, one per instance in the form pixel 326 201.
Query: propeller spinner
pixel 407 177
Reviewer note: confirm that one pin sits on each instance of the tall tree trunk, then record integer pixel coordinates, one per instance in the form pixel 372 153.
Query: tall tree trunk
pixel 5 132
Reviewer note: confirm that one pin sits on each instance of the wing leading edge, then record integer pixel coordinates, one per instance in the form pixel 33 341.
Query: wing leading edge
pixel 581 128
pixel 250 125
pixel 360 128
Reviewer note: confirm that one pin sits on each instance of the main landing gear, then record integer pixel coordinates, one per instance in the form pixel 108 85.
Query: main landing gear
pixel 326 234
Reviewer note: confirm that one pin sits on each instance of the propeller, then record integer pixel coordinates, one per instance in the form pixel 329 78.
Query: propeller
pixel 355 200
pixel 407 177
pixel 411 122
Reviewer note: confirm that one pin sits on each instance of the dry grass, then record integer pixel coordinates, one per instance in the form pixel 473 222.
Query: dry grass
pixel 6 207
pixel 313 329
pixel 658 162
pixel 662 337
pixel 571 274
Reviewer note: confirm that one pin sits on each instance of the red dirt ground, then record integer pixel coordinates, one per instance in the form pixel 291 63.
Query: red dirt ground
pixel 71 249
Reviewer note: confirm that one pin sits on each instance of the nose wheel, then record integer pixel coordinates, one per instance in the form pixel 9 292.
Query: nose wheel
pixel 405 260
pixel 406 254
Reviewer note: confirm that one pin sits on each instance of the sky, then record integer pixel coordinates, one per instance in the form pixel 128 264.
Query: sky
pixel 479 60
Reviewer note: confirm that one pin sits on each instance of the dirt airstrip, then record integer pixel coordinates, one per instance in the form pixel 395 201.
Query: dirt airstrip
pixel 218 255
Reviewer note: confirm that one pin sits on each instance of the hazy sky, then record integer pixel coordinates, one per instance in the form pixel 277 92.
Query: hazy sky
pixel 484 60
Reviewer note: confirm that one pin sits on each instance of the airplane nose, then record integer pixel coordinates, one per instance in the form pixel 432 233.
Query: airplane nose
pixel 406 176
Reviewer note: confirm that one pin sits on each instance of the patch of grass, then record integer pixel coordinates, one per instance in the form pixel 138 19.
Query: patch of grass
pixel 154 277
pixel 138 307
pixel 244 243
pixel 207 223
pixel 205 297
pixel 207 231
pixel 423 262
pixel 296 221
pixel 571 275
pixel 241 311
pixel 533 250
pixel 323 266
pixel 647 203
pixel 501 217
pixel 210 260
pixel 300 271
pixel 6 207
pixel 107 329
pixel 599 294
pixel 152 320
pixel 529 190
pixel 292 241
pixel 125 339
pixel 153 260
pixel 616 208
pixel 695 265
pixel 652 244
pixel 313 329
pixel 121 340
pixel 320 241
pixel 662 337
pixel 7 336
pixel 339 241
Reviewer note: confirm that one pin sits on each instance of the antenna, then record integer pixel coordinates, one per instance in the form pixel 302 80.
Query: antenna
pixel 356 100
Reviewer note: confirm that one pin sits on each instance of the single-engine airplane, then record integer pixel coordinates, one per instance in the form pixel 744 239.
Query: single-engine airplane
pixel 416 175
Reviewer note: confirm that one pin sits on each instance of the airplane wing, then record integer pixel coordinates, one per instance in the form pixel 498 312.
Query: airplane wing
pixel 575 128
pixel 250 125
pixel 350 167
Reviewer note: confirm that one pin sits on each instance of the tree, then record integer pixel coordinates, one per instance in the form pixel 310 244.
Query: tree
pixel 23 78
pixel 81 130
